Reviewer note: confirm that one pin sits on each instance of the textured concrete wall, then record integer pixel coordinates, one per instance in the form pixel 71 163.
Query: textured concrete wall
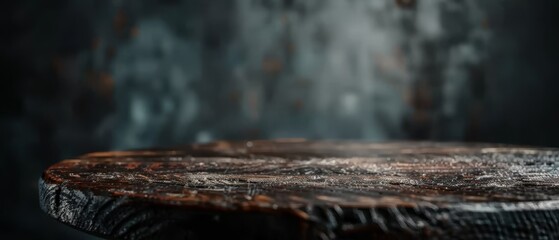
pixel 95 75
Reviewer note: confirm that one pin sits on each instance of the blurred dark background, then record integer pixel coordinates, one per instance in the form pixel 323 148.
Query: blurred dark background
pixel 81 76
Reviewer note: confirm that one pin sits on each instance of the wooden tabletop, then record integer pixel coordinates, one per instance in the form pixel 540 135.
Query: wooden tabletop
pixel 297 189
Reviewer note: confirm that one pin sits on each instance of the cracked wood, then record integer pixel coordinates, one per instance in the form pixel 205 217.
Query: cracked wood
pixel 297 189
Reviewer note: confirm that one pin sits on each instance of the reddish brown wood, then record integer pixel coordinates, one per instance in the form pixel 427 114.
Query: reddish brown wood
pixel 300 189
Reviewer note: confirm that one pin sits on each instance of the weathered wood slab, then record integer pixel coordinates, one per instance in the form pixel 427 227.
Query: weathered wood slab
pixel 295 189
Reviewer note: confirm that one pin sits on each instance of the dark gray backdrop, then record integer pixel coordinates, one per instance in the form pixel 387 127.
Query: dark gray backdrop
pixel 83 76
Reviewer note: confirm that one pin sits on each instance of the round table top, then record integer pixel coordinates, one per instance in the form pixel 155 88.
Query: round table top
pixel 309 190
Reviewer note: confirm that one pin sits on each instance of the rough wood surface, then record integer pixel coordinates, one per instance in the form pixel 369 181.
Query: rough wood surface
pixel 296 189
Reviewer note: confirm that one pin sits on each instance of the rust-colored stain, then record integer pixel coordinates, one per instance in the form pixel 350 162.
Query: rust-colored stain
pixel 120 21
pixel 101 82
pixel 234 96
pixel 57 65
pixel 134 31
pixel 272 65
pixel 290 47
pixel 95 43
pixel 110 52
pixel 406 4
pixel 298 105
pixel 485 23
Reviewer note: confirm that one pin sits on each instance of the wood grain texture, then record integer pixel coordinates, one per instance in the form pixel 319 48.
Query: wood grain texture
pixel 296 189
